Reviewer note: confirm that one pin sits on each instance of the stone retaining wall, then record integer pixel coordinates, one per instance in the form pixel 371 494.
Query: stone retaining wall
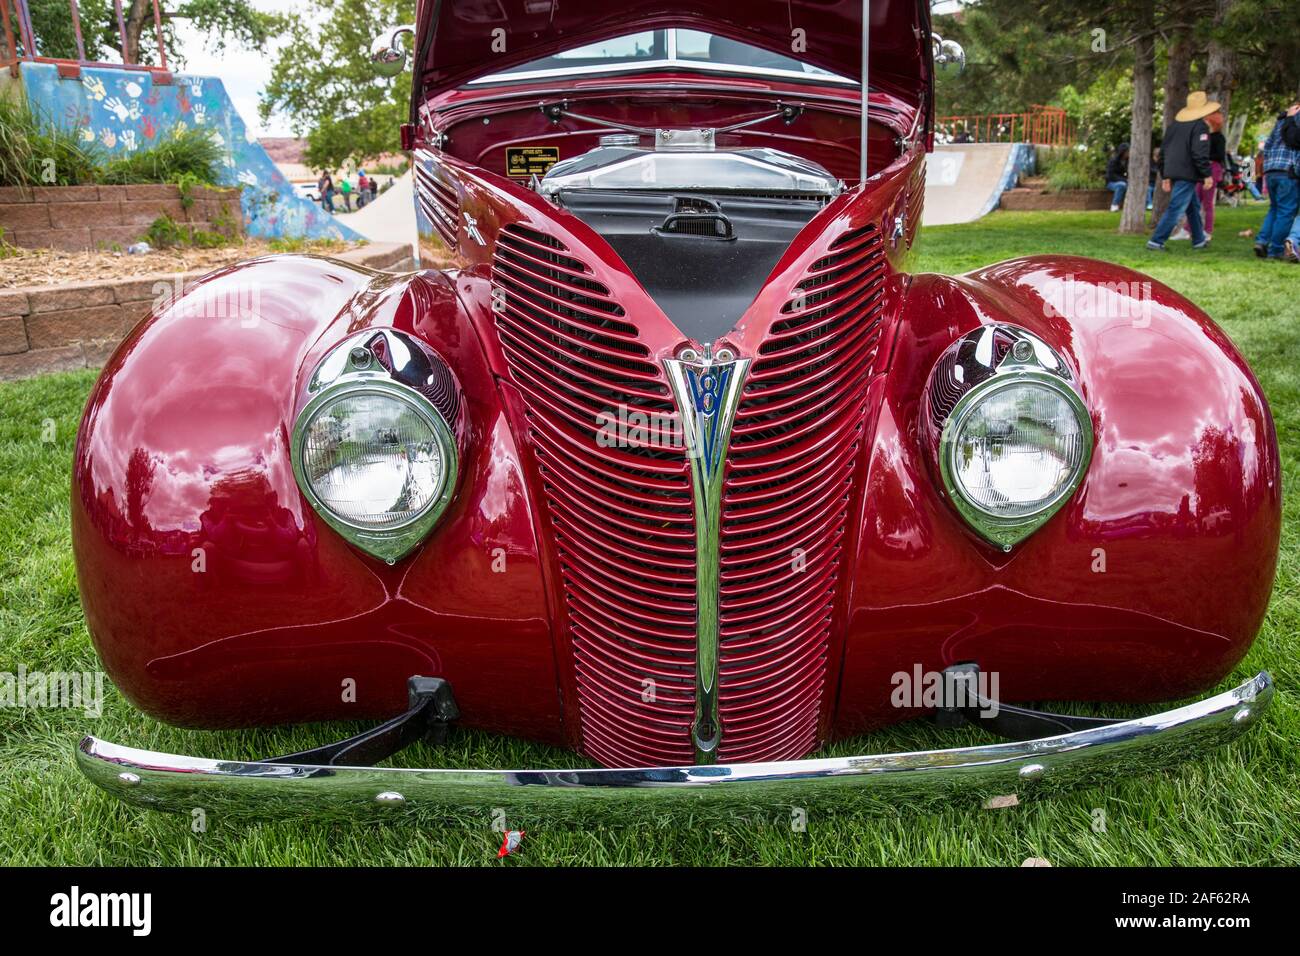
pixel 104 217
pixel 1070 200
pixel 62 327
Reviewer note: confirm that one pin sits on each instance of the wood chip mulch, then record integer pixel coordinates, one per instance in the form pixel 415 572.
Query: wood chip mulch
pixel 20 268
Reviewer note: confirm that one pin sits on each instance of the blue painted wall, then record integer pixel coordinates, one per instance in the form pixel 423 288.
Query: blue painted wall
pixel 123 111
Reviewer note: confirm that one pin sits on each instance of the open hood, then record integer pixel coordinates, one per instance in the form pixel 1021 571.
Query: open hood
pixel 461 40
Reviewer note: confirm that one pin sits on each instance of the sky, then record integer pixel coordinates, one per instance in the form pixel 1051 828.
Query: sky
pixel 245 73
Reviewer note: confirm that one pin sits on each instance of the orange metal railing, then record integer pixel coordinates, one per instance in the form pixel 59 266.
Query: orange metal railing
pixel 22 45
pixel 1041 125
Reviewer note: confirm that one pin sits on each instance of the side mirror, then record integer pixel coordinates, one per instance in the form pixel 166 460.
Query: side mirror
pixel 949 57
pixel 387 53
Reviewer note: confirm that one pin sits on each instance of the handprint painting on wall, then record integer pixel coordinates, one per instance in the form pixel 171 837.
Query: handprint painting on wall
pixel 123 111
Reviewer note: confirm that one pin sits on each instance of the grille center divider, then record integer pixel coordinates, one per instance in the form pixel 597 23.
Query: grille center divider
pixel 707 389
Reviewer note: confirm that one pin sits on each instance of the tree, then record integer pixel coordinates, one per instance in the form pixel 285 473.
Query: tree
pixel 222 20
pixel 324 81
pixel 225 21
pixel 1019 52
pixel 1221 62
pixel 1178 72
pixel 1133 218
pixel 52 26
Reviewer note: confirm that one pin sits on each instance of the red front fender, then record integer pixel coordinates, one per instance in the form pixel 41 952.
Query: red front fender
pixel 214 594
pixel 1151 582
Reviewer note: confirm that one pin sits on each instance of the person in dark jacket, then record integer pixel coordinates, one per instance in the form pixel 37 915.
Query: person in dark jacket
pixel 1282 175
pixel 1185 163
pixel 1117 176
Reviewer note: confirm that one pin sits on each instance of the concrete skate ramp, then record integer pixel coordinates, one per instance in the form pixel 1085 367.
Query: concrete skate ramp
pixel 963 182
pixel 391 217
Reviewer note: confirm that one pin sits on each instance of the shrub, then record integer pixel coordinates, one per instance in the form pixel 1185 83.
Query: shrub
pixel 37 152
pixel 187 157
pixel 166 233
pixel 1076 169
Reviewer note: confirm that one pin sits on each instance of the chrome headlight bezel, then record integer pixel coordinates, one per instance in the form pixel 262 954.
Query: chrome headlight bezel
pixel 351 369
pixel 972 368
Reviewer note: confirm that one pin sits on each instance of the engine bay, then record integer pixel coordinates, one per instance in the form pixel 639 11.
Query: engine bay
pixel 701 228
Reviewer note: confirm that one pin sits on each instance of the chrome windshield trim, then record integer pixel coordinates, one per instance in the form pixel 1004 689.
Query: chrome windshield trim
pixel 707 391
pixel 255 789
pixel 663 64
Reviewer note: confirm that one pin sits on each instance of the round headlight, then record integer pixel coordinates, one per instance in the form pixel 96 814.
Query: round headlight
pixel 1017 448
pixel 373 459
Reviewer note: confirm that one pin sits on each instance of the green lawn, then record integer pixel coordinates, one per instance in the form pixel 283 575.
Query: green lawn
pixel 1236 806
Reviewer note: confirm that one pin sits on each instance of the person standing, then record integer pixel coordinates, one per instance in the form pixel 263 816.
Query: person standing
pixel 363 189
pixel 1152 178
pixel 1282 177
pixel 1117 176
pixel 345 187
pixel 326 187
pixel 1218 163
pixel 1185 163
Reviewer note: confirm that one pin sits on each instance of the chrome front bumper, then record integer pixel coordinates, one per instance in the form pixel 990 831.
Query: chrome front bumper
pixel 258 789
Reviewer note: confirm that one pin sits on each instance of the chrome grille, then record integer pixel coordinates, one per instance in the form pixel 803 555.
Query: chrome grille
pixel 621 518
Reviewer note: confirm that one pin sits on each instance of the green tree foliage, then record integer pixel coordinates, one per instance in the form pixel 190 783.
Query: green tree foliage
pixel 224 21
pixel 324 82
pixel 52 25
pixel 1021 52
pixel 1018 53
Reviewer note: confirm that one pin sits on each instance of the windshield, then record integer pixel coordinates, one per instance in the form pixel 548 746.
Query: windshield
pixel 679 49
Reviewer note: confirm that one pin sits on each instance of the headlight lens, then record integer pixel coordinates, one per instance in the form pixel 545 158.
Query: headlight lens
pixel 1017 450
pixel 373 460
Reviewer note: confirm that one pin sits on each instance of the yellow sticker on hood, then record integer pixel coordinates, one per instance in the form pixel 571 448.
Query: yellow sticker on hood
pixel 524 162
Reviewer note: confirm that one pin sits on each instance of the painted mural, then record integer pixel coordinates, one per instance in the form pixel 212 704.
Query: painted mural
pixel 124 110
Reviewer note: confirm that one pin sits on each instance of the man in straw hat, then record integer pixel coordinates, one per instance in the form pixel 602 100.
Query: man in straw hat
pixel 1184 165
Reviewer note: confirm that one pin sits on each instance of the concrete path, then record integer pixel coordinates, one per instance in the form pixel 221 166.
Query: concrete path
pixel 390 218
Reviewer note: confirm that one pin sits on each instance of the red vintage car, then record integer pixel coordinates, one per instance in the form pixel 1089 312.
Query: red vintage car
pixel 665 456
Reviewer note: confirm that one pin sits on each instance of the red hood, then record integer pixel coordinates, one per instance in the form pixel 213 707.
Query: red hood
pixel 460 40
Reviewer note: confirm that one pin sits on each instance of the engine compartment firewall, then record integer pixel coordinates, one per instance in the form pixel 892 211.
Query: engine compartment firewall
pixel 702 256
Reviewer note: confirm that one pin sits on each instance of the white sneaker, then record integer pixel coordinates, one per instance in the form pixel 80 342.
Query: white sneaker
pixel 1114 208
pixel 1180 234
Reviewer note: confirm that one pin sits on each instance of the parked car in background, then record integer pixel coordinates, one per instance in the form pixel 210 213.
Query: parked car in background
pixel 667 456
